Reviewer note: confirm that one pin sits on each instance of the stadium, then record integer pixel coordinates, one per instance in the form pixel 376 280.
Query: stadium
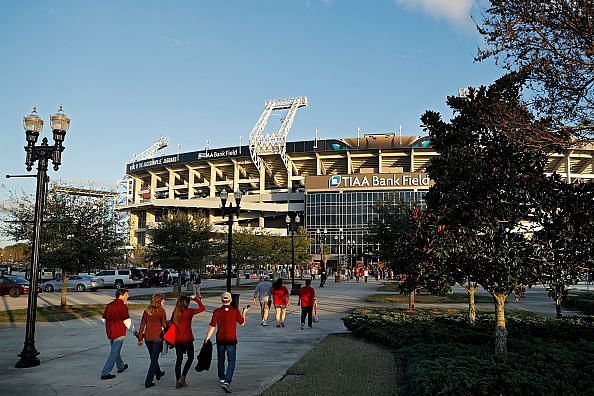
pixel 332 183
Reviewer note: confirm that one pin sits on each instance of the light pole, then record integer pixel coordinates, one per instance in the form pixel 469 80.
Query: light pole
pixel 42 153
pixel 230 212
pixel 292 221
pixel 351 245
pixel 338 239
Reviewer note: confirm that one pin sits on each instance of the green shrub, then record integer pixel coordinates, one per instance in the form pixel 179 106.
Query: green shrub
pixel 580 300
pixel 443 354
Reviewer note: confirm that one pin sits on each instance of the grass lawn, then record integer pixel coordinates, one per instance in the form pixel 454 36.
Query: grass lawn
pixel 171 296
pixel 364 369
pixel 56 314
pixel 429 299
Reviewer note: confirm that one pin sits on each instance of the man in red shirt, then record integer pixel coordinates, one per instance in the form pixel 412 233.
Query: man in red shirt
pixel 117 320
pixel 225 320
pixel 307 299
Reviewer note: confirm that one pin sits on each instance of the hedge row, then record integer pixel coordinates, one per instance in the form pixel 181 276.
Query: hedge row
pixel 442 355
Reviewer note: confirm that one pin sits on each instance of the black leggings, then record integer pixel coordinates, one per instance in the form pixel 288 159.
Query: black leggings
pixel 180 350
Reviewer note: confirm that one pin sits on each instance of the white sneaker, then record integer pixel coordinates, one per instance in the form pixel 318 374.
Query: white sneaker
pixel 264 324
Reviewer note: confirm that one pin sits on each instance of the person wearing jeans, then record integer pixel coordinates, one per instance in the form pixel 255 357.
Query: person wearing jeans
pixel 151 326
pixel 231 352
pixel 117 320
pixel 224 320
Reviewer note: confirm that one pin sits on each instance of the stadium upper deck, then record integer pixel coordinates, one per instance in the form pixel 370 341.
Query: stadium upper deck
pixel 191 182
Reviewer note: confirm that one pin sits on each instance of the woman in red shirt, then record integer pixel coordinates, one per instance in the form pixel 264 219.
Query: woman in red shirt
pixel 152 324
pixel 280 298
pixel 184 338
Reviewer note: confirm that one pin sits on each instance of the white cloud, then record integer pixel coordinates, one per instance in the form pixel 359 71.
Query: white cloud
pixel 455 11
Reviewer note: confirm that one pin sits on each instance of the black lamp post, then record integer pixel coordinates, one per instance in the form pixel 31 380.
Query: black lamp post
pixel 351 245
pixel 229 211
pixel 42 153
pixel 292 221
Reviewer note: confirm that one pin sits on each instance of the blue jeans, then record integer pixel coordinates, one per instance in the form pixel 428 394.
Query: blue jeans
pixel 114 357
pixel 231 351
pixel 154 348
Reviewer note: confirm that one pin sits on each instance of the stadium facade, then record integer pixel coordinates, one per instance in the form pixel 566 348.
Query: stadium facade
pixel 332 184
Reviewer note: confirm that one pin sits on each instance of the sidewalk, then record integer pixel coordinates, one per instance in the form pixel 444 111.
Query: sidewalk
pixel 73 352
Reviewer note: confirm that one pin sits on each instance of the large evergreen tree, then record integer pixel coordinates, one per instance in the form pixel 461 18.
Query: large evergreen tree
pixel 486 186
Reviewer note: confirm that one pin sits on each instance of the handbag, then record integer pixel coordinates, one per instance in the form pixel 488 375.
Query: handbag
pixel 169 332
pixel 316 316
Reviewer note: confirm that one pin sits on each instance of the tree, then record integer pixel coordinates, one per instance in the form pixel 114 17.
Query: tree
pixel 564 238
pixel 552 39
pixel 402 231
pixel 79 232
pixel 180 243
pixel 248 250
pixel 485 186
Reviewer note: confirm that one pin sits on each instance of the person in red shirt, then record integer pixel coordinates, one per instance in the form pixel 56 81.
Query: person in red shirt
pixel 184 338
pixel 152 324
pixel 225 320
pixel 280 298
pixel 307 300
pixel 117 320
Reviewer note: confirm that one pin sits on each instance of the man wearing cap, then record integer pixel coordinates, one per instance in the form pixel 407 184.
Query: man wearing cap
pixel 225 320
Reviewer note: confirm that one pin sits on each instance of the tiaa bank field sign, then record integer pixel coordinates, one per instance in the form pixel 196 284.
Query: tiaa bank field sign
pixel 373 181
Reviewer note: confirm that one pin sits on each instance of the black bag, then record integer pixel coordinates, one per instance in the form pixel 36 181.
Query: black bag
pixel 204 357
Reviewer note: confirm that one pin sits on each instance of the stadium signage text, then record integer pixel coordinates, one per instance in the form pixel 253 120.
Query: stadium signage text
pixel 170 159
pixel 368 181
pixel 218 153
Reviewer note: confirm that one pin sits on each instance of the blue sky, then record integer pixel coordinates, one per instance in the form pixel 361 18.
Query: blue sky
pixel 129 72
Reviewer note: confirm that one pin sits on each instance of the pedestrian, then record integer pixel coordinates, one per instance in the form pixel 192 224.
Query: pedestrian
pixel 280 298
pixel 184 338
pixel 263 294
pixel 307 300
pixel 117 320
pixel 151 326
pixel 365 274
pixel 196 284
pixel 225 320
pixel 323 277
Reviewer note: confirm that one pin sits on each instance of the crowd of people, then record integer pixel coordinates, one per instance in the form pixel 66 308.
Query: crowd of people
pixel 154 325
pixel 151 332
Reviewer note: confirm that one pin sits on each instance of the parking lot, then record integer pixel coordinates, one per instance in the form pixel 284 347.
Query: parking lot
pixel 101 296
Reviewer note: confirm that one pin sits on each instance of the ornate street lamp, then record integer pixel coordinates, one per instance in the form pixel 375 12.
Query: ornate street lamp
pixel 292 221
pixel 338 240
pixel 42 153
pixel 230 211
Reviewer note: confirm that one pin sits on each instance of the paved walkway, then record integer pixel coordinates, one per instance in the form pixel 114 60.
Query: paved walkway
pixel 73 352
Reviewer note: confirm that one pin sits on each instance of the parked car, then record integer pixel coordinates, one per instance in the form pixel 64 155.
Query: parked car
pixel 13 285
pixel 76 282
pixel 119 278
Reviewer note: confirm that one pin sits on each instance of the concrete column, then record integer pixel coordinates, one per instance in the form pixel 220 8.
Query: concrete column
pixel 190 183
pixel 211 184
pixel 171 183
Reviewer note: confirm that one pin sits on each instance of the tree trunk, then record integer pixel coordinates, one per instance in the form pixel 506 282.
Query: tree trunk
pixel 177 286
pixel 64 290
pixel 558 306
pixel 411 301
pixel 471 307
pixel 500 330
